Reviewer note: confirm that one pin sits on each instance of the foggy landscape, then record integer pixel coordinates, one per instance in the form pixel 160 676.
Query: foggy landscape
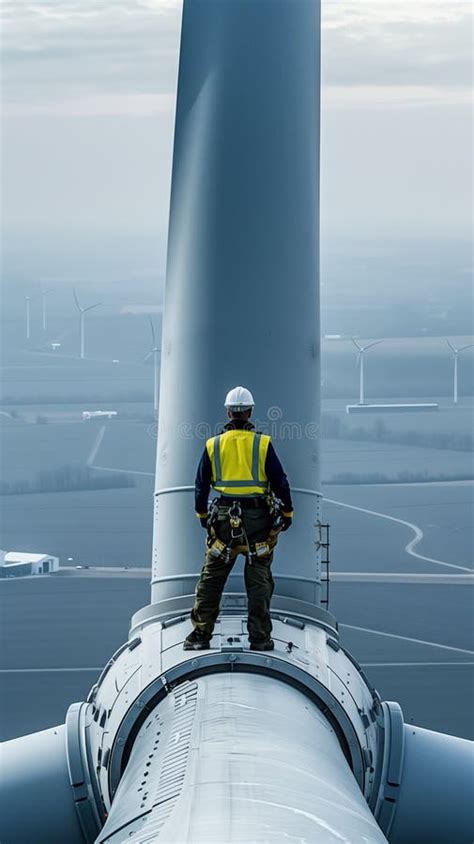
pixel 85 210
pixel 415 467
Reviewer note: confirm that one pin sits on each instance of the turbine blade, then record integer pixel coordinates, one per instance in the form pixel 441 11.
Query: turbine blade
pixel 453 349
pixel 356 344
pixel 375 343
pixel 469 346
pixel 76 300
pixel 152 330
pixel 92 306
pixel 147 356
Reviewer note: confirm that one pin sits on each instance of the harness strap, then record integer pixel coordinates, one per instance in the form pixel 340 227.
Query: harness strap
pixel 217 460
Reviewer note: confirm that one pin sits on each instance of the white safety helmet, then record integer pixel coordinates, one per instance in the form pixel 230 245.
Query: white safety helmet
pixel 239 398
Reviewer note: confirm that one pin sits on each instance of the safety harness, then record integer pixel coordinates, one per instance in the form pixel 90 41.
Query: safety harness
pixel 219 550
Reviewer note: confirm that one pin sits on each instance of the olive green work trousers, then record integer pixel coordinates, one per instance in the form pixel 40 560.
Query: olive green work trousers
pixel 258 578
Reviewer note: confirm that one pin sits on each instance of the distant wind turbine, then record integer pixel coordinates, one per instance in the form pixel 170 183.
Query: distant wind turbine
pixel 154 351
pixel 82 312
pixel 360 363
pixel 27 304
pixel 44 293
pixel 455 374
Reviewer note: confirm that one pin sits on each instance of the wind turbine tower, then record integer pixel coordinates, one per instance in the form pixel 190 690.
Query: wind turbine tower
pixel 44 293
pixel 27 304
pixel 82 312
pixel 155 352
pixel 456 352
pixel 360 362
pixel 229 744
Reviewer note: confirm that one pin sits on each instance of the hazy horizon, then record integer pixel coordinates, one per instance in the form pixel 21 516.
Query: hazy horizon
pixel 88 98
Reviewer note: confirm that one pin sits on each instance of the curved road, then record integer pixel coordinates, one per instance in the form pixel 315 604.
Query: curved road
pixel 409 547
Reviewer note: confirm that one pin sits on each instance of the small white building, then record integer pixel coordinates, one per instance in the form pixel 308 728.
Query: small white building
pixel 99 414
pixel 417 407
pixel 22 563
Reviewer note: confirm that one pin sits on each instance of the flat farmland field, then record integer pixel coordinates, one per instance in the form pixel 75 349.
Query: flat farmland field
pixel 109 527
pixel 128 446
pixel 35 377
pixel 365 458
pixel 364 539
pixel 27 449
pixel 94 527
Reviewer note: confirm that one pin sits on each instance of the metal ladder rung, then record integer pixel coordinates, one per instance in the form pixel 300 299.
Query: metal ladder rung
pixel 324 562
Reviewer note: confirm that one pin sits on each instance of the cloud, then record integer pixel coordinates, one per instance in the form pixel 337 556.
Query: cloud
pixel 340 13
pixel 387 163
pixel 99 105
pixel 56 52
pixel 392 96
pixel 120 56
pixel 425 44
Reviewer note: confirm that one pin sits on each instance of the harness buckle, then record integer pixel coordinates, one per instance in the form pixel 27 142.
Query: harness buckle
pixel 235 520
pixel 218 550
pixel 212 517
pixel 261 549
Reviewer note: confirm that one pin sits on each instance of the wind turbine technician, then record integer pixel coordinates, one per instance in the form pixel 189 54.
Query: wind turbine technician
pixel 254 506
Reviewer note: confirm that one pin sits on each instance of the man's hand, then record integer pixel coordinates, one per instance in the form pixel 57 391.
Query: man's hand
pixel 203 520
pixel 287 521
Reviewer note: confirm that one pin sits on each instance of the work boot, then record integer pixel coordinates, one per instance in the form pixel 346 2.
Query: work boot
pixel 264 645
pixel 197 641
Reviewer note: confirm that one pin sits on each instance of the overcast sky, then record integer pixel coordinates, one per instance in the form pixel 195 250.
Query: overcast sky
pixel 88 104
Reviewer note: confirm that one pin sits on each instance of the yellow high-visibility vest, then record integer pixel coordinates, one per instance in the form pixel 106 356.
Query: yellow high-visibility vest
pixel 238 462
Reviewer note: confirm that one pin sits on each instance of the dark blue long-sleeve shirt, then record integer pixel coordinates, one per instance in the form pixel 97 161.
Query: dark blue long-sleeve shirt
pixel 275 473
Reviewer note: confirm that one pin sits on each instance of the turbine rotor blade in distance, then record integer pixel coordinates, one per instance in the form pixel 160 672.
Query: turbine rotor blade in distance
pixel 76 300
pixel 152 330
pixel 89 308
pixel 469 346
pixel 375 343
pixel 356 344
